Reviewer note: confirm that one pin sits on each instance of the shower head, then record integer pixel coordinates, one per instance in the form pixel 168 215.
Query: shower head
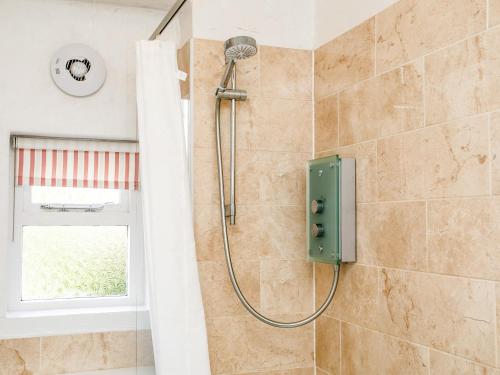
pixel 240 47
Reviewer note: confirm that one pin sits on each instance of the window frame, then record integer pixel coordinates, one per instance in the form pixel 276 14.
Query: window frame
pixel 125 213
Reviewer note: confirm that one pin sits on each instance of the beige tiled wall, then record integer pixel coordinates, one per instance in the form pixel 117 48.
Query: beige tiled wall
pixel 274 139
pixel 412 94
pixel 76 353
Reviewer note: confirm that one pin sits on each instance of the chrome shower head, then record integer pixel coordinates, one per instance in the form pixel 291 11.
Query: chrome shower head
pixel 240 47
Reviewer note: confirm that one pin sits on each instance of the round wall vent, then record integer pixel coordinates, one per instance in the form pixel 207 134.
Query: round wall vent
pixel 78 70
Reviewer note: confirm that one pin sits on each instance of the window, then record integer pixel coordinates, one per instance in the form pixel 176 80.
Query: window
pixel 76 246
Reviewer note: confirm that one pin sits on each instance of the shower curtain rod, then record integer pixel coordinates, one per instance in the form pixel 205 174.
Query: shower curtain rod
pixel 165 21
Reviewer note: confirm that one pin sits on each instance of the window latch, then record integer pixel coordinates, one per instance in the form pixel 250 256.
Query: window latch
pixel 73 207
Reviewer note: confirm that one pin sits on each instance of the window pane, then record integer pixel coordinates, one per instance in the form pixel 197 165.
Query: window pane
pixel 74 261
pixel 66 195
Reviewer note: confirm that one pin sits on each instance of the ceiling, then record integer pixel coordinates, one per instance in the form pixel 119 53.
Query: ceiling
pixel 154 4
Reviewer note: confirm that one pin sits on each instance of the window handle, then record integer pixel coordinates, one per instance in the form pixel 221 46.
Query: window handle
pixel 73 207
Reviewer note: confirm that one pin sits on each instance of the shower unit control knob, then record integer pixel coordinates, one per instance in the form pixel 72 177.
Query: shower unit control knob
pixel 317 206
pixel 317 230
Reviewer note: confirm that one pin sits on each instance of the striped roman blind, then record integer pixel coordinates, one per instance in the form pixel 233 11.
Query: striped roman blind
pixel 76 163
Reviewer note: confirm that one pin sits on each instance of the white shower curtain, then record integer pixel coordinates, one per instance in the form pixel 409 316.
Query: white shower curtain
pixel 176 310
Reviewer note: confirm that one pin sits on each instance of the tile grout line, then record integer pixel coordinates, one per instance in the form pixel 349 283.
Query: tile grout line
pixel 427 253
pixel 338 120
pixel 423 346
pixel 495 318
pixel 264 204
pixel 433 274
pixel 375 45
pixel 313 102
pixel 487 14
pixel 424 89
pixel 412 131
pixel 340 346
pixel 413 60
pixel 315 362
pixel 40 354
pixel 260 371
pixel 490 156
pixel 429 359
pixel 377 189
pixel 440 49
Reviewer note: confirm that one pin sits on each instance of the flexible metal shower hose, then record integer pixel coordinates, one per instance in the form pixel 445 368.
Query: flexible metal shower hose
pixel 227 251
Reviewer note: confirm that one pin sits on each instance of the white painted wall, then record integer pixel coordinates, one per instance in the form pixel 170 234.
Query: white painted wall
pixel 304 24
pixel 280 23
pixel 32 30
pixel 334 17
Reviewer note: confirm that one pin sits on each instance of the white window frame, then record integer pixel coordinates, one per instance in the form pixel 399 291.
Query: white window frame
pixel 126 213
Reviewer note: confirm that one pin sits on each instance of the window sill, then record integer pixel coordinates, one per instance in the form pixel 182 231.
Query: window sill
pixel 73 321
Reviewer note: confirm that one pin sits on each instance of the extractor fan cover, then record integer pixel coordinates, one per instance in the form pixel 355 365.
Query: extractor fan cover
pixel 78 70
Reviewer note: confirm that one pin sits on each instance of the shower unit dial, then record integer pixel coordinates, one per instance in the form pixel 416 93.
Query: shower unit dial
pixel 317 230
pixel 331 214
pixel 317 206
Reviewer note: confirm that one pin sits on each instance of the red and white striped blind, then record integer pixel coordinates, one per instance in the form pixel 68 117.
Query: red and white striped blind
pixel 75 163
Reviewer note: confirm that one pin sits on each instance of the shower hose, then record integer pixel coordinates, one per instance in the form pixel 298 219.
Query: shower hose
pixel 227 251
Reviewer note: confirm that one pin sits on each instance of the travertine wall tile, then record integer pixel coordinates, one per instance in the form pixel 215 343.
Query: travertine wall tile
pixel 464 237
pixel 64 354
pixel 457 158
pixel 497 289
pixel 356 294
pixel 208 65
pixel 207 235
pixel 286 73
pixel 412 28
pixel 427 159
pixel 369 352
pixel 205 180
pixel 463 79
pixel 439 161
pixel 345 60
pixel 323 277
pixel 243 344
pixel 393 235
pixel 321 372
pixel 445 364
pixel 495 152
pixel 219 298
pixel 272 124
pixel 203 121
pixel 326 126
pixel 274 141
pixel 286 286
pixel 388 104
pixel 20 356
pixel 295 371
pixel 401 166
pixel 494 13
pixel 271 242
pixel 271 177
pixel 276 124
pixel 447 313
pixel 328 345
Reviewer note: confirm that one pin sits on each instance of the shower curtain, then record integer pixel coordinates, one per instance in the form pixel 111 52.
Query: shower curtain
pixel 176 310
